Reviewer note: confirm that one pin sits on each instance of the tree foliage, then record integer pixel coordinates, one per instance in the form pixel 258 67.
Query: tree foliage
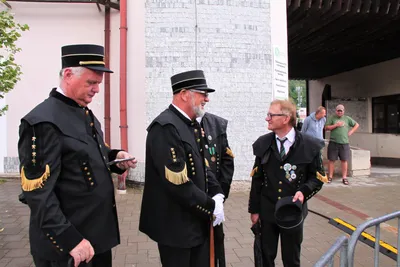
pixel 297 92
pixel 10 71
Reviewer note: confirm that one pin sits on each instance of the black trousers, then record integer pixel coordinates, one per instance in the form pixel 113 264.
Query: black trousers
pixel 290 244
pixel 219 247
pixel 185 257
pixel 99 260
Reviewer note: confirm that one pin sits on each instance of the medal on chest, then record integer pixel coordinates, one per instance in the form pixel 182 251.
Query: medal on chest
pixel 290 173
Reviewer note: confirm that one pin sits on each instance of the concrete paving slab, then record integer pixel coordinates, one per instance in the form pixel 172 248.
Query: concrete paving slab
pixel 365 198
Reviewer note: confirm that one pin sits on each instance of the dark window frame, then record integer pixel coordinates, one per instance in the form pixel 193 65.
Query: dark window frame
pixel 385 101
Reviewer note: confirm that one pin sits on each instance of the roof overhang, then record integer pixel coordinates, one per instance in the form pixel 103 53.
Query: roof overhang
pixel 327 37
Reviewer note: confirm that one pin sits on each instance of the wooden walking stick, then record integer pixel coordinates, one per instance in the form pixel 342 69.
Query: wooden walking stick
pixel 212 249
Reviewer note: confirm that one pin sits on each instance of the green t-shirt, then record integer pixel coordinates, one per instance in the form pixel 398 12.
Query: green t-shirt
pixel 340 134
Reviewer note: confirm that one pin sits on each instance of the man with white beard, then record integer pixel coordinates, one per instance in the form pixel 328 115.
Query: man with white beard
pixel 177 207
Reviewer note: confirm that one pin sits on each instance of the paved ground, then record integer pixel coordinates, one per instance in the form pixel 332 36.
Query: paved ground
pixel 363 199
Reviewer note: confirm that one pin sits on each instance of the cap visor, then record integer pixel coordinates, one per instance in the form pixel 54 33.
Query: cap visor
pixel 99 68
pixel 210 90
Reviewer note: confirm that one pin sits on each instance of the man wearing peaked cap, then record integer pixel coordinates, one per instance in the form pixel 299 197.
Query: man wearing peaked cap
pixel 181 194
pixel 86 55
pixel 190 80
pixel 63 165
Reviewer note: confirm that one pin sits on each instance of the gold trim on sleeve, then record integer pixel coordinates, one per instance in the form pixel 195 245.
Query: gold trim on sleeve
pixel 176 178
pixel 32 184
pixel 229 152
pixel 322 178
pixel 254 171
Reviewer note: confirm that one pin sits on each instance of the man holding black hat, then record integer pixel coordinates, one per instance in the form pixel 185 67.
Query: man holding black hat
pixel 65 178
pixel 287 172
pixel 176 207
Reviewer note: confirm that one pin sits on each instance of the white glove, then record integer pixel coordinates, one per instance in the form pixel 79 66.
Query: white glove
pixel 219 209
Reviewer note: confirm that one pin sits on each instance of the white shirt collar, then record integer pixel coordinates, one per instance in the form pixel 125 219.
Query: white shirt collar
pixel 60 90
pixel 199 119
pixel 291 135
pixel 181 111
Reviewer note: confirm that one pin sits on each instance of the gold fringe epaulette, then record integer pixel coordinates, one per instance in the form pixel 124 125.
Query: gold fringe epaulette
pixel 207 164
pixel 229 152
pixel 32 184
pixel 254 171
pixel 322 178
pixel 177 178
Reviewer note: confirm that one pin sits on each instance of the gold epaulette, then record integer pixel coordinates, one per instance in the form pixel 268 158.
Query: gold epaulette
pixel 229 152
pixel 32 184
pixel 322 178
pixel 176 178
pixel 254 171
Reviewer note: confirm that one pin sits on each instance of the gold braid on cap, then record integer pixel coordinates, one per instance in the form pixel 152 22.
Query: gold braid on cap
pixel 82 63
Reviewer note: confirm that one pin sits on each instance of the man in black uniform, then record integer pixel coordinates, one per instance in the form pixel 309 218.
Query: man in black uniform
pixel 287 163
pixel 220 158
pixel 64 176
pixel 176 207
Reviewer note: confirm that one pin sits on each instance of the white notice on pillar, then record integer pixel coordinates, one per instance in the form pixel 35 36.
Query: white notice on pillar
pixel 280 73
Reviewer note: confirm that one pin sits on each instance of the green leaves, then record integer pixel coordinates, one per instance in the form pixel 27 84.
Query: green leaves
pixel 297 92
pixel 10 71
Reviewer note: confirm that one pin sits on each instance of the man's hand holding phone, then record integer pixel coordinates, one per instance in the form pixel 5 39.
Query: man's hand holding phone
pixel 124 160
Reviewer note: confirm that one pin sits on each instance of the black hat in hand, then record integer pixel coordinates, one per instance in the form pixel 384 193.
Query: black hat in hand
pixel 288 214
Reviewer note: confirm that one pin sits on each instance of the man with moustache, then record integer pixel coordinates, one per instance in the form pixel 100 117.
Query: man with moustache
pixel 176 207
pixel 65 178
pixel 288 164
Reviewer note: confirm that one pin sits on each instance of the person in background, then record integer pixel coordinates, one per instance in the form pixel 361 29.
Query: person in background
pixel 341 127
pixel 314 124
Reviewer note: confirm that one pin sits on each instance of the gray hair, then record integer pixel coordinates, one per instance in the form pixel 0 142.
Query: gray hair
pixel 75 70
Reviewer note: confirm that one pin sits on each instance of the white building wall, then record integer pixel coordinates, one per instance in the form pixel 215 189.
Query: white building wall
pixel 371 81
pixel 233 47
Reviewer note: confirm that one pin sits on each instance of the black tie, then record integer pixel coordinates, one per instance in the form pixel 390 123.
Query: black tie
pixel 282 151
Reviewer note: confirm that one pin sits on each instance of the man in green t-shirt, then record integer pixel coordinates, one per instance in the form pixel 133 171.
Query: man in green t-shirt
pixel 341 127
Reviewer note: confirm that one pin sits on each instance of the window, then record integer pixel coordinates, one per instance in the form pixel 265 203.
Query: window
pixel 386 114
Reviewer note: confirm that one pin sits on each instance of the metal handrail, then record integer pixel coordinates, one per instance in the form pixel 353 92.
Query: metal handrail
pixel 360 229
pixel 328 258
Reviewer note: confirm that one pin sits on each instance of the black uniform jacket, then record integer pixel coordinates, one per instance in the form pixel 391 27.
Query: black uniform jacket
pixel 217 151
pixel 176 208
pixel 273 178
pixel 65 180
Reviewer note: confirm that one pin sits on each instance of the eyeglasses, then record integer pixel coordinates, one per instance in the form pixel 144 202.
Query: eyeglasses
pixel 339 110
pixel 204 93
pixel 270 115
